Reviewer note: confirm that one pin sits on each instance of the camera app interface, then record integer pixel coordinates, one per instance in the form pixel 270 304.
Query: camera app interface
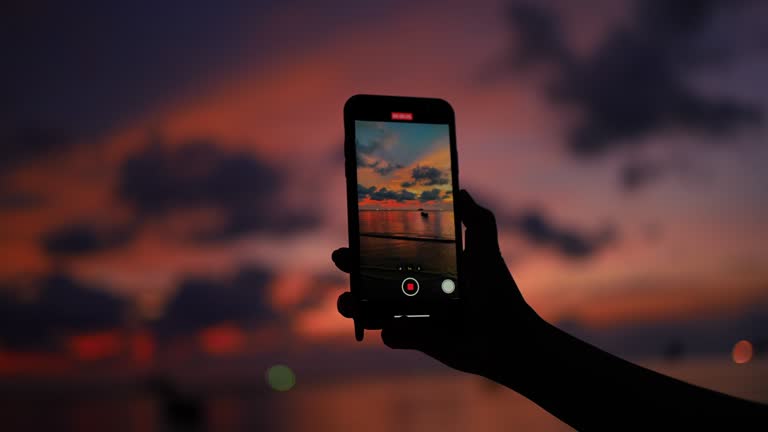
pixel 405 201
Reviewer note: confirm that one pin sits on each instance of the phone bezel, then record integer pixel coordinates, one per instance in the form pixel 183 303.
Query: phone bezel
pixel 380 108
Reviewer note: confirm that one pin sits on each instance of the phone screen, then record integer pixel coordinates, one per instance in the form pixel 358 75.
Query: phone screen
pixel 405 200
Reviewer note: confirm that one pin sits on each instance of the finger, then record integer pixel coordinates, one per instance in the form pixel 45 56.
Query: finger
pixel 348 308
pixel 341 257
pixel 482 233
pixel 346 305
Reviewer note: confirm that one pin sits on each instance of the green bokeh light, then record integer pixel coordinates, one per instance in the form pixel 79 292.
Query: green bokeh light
pixel 281 378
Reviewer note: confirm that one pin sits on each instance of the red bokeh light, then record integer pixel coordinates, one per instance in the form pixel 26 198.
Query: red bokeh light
pixel 222 339
pixel 95 346
pixel 742 352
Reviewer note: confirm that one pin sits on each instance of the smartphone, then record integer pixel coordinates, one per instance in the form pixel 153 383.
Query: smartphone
pixel 404 229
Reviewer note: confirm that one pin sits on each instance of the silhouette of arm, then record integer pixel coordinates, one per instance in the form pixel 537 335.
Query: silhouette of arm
pixel 497 335
pixel 590 389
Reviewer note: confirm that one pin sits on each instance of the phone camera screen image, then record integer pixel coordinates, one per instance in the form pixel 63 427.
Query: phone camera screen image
pixel 405 203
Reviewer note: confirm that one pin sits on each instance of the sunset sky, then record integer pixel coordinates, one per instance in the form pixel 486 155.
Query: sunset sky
pixel 403 166
pixel 172 178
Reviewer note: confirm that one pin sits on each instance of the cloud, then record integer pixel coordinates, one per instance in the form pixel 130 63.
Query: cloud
pixel 364 159
pixel 534 227
pixel 429 176
pixel 539 35
pixel 637 174
pixel 26 143
pixel 83 238
pixel 202 302
pixel 367 148
pixel 66 306
pixel 364 192
pixel 383 194
pixel 199 175
pixel 636 82
pixel 387 168
pixel 430 195
pixel 363 162
pixel 380 167
pixel 63 306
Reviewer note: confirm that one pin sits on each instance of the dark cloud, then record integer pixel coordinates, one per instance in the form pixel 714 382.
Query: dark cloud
pixel 202 302
pixel 533 226
pixel 380 167
pixel 636 174
pixel 539 35
pixel 429 176
pixel 636 82
pixel 364 192
pixel 365 160
pixel 84 238
pixel 384 194
pixel 22 144
pixel 198 174
pixel 63 306
pixel 431 195
pixel 367 148
pixel 407 184
pixel 386 168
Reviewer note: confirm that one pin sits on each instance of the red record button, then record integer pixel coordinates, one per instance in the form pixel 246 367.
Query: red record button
pixel 410 286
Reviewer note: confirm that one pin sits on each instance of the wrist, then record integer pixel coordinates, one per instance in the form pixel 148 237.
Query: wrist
pixel 524 354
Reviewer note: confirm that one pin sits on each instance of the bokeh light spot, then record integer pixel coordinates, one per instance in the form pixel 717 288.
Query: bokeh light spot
pixel 281 378
pixel 742 352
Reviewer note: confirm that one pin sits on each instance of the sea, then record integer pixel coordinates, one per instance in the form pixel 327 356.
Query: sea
pixel 445 401
pixel 395 244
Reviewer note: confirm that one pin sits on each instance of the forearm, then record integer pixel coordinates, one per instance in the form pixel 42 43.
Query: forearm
pixel 591 389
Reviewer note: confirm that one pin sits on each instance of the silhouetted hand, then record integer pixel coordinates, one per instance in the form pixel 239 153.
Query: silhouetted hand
pixel 494 312
pixel 498 336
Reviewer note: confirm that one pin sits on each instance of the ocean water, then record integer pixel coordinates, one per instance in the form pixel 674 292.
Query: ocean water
pixel 437 225
pixel 376 403
pixel 396 244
